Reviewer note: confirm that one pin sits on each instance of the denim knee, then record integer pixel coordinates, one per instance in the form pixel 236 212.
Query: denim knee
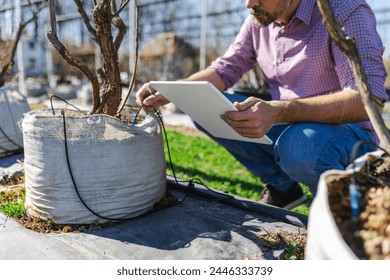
pixel 304 151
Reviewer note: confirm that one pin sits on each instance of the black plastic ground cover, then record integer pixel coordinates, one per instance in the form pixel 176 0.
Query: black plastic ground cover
pixel 276 213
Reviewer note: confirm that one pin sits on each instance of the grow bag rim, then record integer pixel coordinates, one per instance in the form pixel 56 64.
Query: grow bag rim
pixel 35 114
pixel 277 213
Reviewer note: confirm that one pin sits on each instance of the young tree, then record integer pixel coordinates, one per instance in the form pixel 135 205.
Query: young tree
pixel 7 57
pixel 106 92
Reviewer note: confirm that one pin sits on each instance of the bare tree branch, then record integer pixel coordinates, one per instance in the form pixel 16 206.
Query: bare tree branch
pixel 52 36
pixel 122 29
pixel 84 16
pixel 53 18
pixel 121 8
pixel 119 24
pixel 348 47
pixel 135 62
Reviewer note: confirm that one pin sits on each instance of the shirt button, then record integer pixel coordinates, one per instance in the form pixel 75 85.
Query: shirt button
pixel 285 86
pixel 282 31
pixel 279 61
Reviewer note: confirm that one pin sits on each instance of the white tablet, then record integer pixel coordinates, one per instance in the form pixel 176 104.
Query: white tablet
pixel 204 103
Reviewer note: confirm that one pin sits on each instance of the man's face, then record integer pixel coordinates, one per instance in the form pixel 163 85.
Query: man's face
pixel 265 12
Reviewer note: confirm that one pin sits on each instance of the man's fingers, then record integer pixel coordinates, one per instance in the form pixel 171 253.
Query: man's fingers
pixel 238 116
pixel 245 127
pixel 141 94
pixel 234 123
pixel 246 104
pixel 251 132
pixel 155 99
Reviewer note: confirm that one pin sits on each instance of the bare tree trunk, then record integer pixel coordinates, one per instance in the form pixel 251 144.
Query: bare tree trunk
pixel 348 47
pixel 111 91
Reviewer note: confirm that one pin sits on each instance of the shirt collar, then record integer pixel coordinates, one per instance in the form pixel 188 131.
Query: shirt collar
pixel 305 11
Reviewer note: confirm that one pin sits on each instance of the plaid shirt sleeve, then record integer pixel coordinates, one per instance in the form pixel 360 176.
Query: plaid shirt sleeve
pixel 358 22
pixel 239 58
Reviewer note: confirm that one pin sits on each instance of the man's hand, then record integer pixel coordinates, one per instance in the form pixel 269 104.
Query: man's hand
pixel 150 98
pixel 254 117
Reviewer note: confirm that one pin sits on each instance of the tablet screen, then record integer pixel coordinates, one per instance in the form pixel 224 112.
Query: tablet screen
pixel 204 103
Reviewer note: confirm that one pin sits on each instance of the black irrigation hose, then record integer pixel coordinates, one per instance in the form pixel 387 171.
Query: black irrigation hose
pixel 70 169
pixel 191 182
pixel 73 180
pixel 166 138
pixel 168 148
pixel 63 100
pixel 277 213
pixel 68 161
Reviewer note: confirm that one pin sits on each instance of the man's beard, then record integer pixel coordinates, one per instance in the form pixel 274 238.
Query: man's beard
pixel 261 17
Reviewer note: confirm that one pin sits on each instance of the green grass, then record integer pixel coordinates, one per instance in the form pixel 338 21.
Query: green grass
pixel 13 208
pixel 200 157
pixel 291 250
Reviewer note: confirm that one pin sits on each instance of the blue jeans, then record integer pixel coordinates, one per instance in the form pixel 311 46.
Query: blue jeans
pixel 300 152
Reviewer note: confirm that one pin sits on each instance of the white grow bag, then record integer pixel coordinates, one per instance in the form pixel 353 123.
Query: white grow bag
pixel 119 170
pixel 12 107
pixel 324 240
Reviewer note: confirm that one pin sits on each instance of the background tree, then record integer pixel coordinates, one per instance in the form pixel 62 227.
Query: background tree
pixel 8 52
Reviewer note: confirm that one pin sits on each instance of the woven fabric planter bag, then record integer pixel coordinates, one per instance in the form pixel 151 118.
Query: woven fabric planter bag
pixel 12 107
pixel 118 170
pixel 325 241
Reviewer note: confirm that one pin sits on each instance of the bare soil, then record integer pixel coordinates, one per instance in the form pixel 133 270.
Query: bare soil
pixel 11 189
pixel 369 235
pixel 293 244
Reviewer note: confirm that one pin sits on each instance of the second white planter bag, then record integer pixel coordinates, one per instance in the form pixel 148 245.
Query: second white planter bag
pixel 325 242
pixel 12 107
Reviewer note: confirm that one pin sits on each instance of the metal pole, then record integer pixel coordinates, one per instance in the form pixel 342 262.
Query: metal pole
pixel 20 56
pixel 202 53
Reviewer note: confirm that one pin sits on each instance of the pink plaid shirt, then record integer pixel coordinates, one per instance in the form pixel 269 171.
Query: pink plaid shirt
pixel 300 59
